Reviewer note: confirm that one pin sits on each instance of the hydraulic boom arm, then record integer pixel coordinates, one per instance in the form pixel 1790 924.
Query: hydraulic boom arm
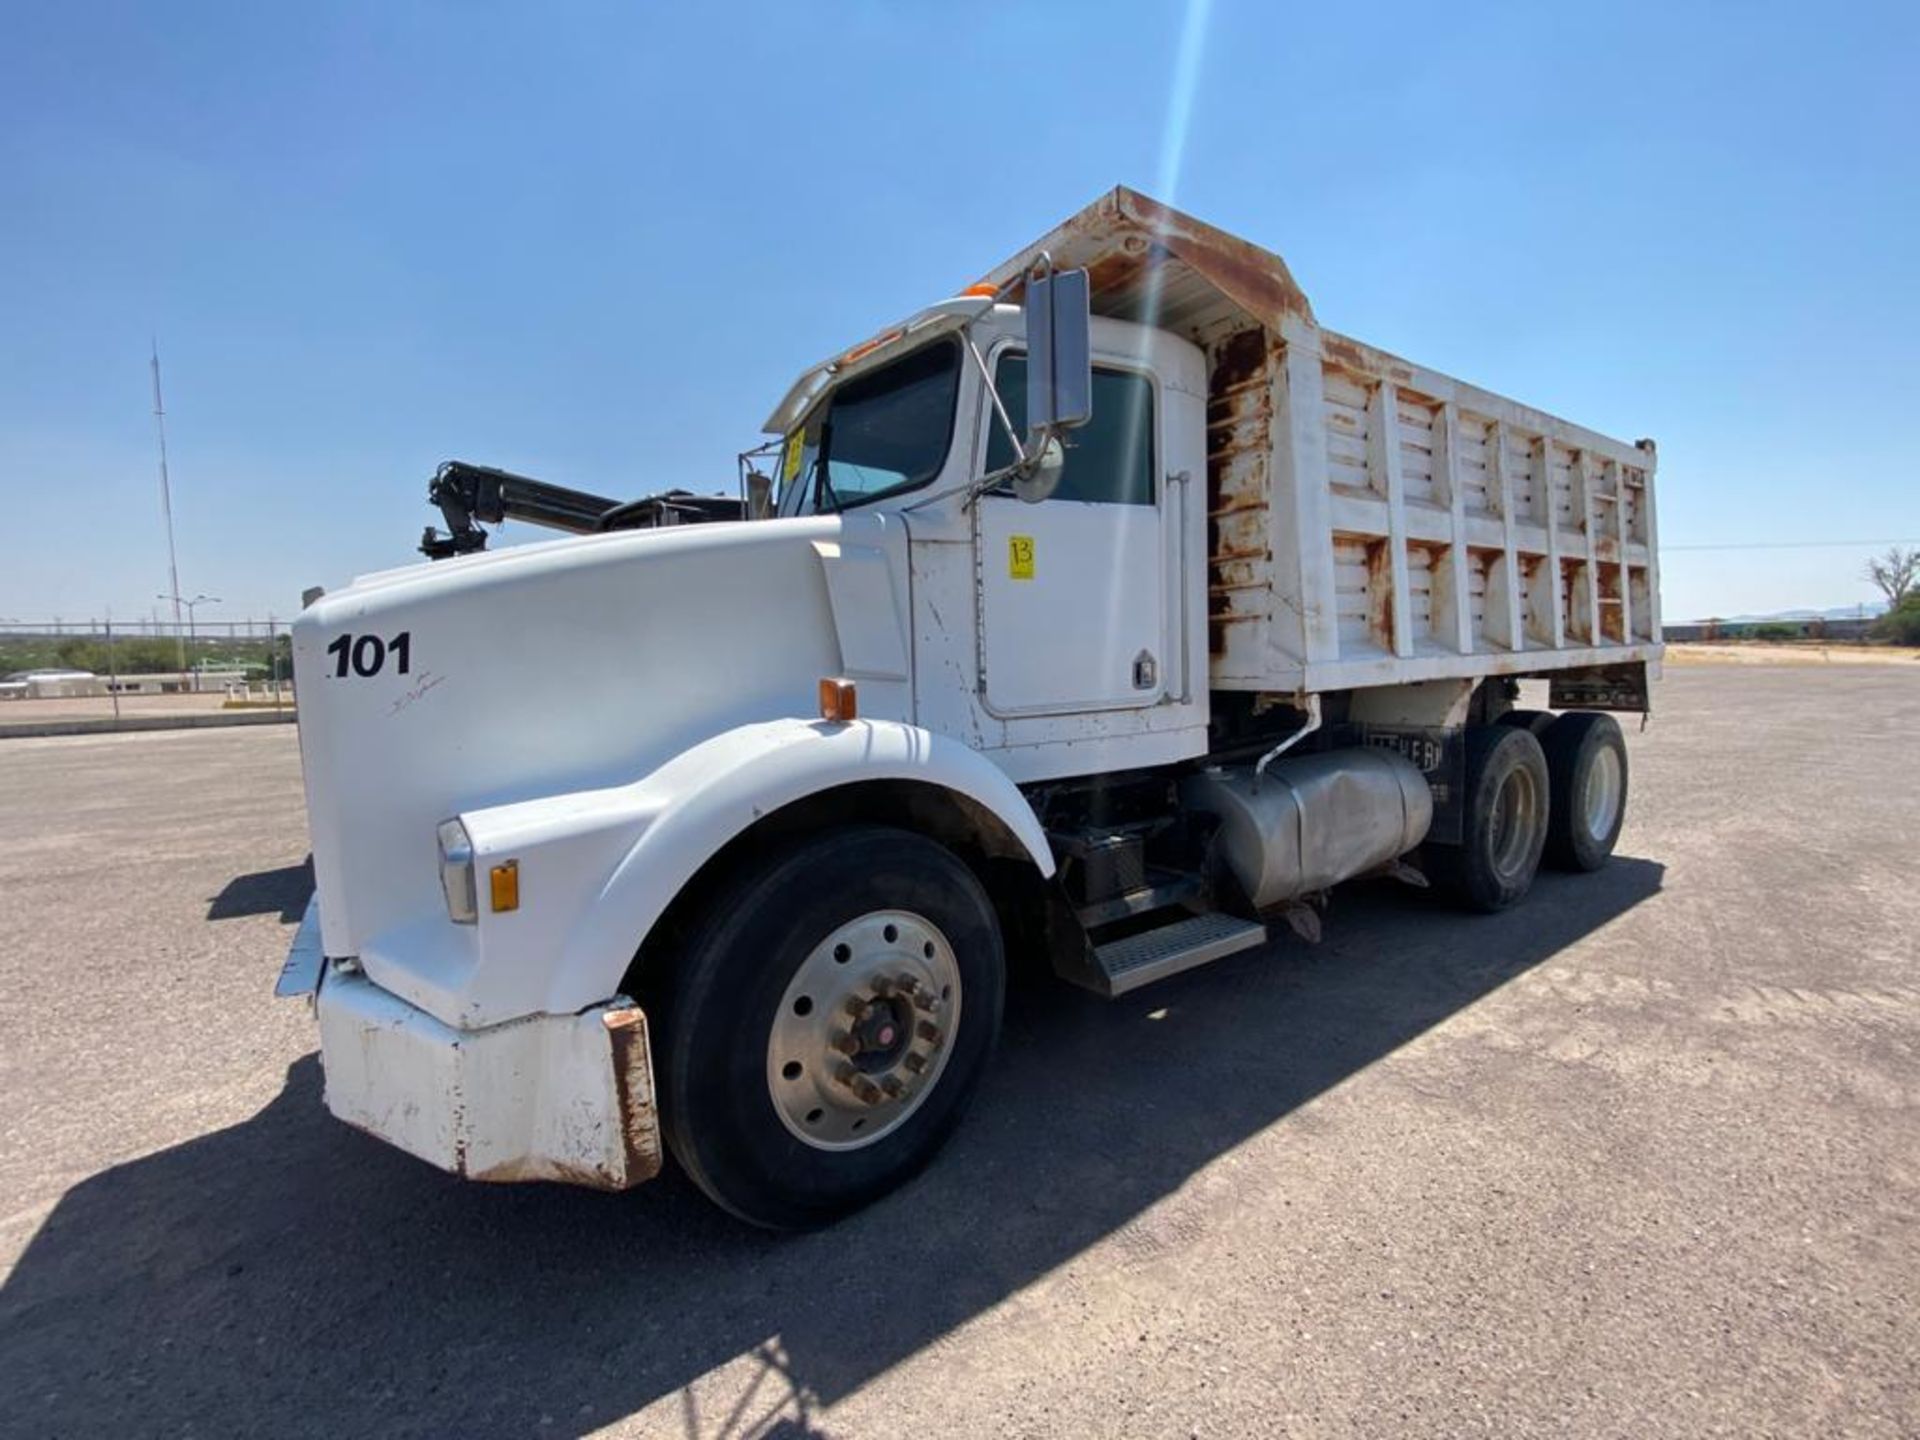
pixel 469 494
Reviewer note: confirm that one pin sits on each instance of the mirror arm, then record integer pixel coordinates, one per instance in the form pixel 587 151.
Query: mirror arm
pixel 1028 461
pixel 971 490
pixel 1042 455
pixel 999 405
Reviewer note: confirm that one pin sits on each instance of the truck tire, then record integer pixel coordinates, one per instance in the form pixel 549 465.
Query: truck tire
pixel 1587 787
pixel 1535 720
pixel 827 1023
pixel 1504 828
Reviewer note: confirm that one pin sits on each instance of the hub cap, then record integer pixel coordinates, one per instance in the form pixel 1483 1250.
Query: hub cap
pixel 864 1030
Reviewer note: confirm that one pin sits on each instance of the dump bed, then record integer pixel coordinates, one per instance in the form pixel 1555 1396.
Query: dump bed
pixel 1371 521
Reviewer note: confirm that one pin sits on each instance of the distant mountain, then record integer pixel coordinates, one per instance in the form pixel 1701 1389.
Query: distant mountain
pixel 1866 609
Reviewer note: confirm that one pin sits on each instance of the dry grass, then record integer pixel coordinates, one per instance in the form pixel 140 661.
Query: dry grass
pixel 1760 652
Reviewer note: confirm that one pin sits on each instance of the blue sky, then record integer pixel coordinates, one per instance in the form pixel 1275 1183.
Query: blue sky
pixel 595 244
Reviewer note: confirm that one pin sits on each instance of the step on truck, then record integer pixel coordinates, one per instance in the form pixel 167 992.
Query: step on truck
pixel 1105 615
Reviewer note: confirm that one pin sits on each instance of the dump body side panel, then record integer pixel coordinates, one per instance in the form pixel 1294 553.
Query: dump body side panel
pixel 1422 528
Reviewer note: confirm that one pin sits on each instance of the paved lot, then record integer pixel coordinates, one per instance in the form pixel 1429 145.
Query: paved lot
pixel 1640 1158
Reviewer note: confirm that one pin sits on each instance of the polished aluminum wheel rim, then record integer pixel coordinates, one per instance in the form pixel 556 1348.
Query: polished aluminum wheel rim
pixel 1515 817
pixel 864 1030
pixel 1600 796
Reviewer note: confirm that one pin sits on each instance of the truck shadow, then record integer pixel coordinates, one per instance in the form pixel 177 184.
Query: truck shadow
pixel 263 892
pixel 288 1275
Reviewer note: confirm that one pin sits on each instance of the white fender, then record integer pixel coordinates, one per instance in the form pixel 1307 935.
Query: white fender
pixel 705 797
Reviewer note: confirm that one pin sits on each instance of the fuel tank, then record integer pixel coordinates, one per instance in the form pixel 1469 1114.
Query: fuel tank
pixel 1312 821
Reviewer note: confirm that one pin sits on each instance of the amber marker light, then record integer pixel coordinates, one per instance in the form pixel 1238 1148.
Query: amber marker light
pixel 838 702
pixel 503 881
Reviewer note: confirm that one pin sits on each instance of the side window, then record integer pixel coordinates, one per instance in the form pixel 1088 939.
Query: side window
pixel 1110 458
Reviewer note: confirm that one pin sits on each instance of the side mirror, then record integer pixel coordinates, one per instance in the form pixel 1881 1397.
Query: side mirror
pixel 1059 351
pixel 759 495
pixel 1038 481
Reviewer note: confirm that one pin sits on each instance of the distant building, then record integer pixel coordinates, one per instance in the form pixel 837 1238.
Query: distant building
pixel 51 685
pixel 178 682
pixel 79 684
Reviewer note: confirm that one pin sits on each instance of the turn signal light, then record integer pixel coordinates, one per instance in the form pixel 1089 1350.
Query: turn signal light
pixel 837 701
pixel 504 882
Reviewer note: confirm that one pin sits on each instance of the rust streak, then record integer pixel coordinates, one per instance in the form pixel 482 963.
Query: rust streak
pixel 1256 279
pixel 633 1081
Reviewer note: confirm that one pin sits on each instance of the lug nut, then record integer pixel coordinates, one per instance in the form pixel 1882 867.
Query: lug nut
pixel 928 1031
pixel 846 1043
pixel 882 987
pixel 906 984
pixel 845 1074
pixel 864 1087
pixel 855 1006
pixel 924 1001
pixel 893 1086
pixel 915 1061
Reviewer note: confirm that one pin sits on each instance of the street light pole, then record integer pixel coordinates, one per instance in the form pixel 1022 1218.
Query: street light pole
pixel 190 604
pixel 166 503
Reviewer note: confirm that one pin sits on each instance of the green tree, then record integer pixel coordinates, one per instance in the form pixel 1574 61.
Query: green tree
pixel 1901 625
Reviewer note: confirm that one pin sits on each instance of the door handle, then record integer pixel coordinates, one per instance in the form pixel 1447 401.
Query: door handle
pixel 1178 484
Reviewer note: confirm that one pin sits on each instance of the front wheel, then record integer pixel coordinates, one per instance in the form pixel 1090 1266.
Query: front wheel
pixel 828 1023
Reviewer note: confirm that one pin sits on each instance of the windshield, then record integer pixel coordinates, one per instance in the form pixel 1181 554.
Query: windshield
pixel 881 433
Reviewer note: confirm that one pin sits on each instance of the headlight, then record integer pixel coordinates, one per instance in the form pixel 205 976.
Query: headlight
pixel 456 873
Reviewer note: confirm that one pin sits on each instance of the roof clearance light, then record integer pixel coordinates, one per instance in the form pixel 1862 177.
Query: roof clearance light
pixel 867 347
pixel 985 289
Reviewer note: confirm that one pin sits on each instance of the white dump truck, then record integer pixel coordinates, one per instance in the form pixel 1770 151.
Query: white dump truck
pixel 1105 615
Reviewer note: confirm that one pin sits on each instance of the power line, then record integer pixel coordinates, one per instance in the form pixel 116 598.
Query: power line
pixel 1789 545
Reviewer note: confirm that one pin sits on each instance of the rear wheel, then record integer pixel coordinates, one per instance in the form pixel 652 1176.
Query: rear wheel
pixel 828 1023
pixel 1504 827
pixel 1587 782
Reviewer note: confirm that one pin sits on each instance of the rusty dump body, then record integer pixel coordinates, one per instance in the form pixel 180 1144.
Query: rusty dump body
pixel 1371 521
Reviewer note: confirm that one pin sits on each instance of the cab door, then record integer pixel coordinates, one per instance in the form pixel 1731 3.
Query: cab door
pixel 1073 602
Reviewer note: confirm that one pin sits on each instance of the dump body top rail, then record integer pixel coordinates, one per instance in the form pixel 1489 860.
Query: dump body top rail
pixel 1371 521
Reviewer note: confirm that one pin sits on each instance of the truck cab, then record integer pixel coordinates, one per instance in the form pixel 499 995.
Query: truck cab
pixel 719 839
pixel 979 574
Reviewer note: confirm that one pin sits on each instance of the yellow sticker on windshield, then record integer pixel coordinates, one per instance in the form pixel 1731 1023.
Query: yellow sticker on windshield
pixel 790 462
pixel 1020 557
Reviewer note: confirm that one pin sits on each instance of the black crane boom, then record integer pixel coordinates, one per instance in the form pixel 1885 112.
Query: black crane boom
pixel 468 495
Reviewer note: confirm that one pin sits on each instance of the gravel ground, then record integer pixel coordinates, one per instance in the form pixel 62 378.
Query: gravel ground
pixel 1639 1158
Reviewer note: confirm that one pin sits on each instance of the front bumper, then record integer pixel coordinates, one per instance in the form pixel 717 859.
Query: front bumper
pixel 549 1097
